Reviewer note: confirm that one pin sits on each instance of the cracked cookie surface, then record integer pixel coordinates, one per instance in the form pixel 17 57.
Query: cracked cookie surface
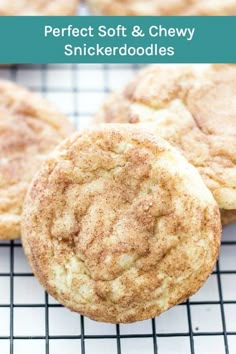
pixel 161 7
pixel 38 7
pixel 194 108
pixel 30 128
pixel 103 225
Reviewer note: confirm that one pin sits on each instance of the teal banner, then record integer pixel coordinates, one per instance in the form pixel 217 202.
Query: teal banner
pixel 117 39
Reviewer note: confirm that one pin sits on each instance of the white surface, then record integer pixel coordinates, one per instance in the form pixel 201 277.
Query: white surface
pixel 78 90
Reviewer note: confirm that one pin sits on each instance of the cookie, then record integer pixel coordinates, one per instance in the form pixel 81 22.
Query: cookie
pixel 161 7
pixel 194 108
pixel 38 7
pixel 118 226
pixel 29 129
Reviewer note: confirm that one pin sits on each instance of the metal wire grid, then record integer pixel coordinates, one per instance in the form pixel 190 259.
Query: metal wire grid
pixel 157 336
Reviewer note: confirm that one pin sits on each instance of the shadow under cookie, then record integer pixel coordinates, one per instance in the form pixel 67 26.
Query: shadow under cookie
pixel 228 216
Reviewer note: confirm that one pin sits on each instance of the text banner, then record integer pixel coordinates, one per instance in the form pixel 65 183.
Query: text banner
pixel 118 39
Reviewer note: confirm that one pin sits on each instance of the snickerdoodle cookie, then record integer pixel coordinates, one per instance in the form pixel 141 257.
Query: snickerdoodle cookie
pixel 163 7
pixel 29 129
pixel 118 226
pixel 194 108
pixel 38 7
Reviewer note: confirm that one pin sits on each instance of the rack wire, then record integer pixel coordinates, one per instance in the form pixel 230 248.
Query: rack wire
pixel 32 322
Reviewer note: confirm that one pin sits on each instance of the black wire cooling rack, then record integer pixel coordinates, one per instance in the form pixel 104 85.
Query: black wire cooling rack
pixel 32 322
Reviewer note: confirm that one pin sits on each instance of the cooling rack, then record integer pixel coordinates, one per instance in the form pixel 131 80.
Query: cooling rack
pixel 31 322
